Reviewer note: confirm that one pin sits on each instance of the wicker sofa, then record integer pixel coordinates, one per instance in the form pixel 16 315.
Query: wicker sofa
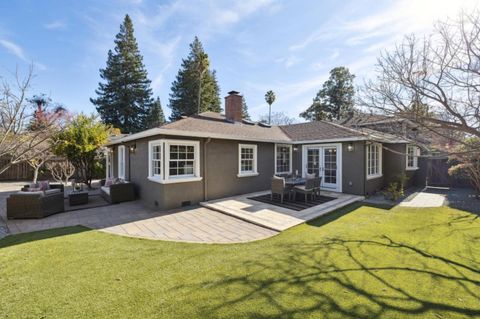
pixel 117 193
pixel 35 204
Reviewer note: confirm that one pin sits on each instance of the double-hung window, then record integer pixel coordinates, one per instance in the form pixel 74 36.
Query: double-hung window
pixel 412 157
pixel 374 160
pixel 121 161
pixel 283 159
pixel 247 160
pixel 174 161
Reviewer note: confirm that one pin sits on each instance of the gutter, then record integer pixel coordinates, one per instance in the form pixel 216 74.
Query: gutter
pixel 205 172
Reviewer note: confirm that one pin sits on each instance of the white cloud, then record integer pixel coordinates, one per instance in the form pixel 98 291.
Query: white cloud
pixel 14 49
pixel 55 25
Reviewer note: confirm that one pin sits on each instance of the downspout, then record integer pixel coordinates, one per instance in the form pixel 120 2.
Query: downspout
pixel 205 173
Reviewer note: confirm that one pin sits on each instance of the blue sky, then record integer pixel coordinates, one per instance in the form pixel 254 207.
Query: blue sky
pixel 255 45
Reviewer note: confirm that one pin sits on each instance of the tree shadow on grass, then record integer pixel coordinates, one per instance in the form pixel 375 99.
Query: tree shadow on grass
pixel 346 278
pixel 18 239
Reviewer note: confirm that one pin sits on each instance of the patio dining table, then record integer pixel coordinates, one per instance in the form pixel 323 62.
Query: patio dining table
pixel 294 181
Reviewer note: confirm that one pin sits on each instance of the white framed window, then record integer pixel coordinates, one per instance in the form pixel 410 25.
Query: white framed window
pixel 374 160
pixel 412 157
pixel 109 164
pixel 121 161
pixel 283 159
pixel 155 159
pixel 247 160
pixel 174 161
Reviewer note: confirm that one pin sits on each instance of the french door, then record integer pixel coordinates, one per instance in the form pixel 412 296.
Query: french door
pixel 324 161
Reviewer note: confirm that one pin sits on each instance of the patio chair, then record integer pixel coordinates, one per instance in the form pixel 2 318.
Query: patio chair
pixel 117 193
pixel 318 183
pixel 279 187
pixel 307 189
pixel 34 204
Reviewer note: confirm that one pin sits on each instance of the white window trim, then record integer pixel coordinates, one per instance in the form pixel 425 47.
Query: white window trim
pixel 416 152
pixel 151 176
pixel 165 178
pixel 289 161
pixel 109 164
pixel 121 161
pixel 255 171
pixel 380 160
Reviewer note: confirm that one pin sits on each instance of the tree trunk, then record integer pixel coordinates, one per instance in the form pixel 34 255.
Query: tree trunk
pixel 35 174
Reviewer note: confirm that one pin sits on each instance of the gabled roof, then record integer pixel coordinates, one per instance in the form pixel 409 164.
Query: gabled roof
pixel 215 125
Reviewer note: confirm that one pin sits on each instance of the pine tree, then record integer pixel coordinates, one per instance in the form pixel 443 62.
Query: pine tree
pixel 245 114
pixel 193 77
pixel 335 100
pixel 156 117
pixel 125 99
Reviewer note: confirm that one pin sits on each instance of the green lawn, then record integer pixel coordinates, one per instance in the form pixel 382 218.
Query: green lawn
pixel 362 262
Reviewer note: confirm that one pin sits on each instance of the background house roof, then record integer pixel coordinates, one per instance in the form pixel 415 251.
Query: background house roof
pixel 319 130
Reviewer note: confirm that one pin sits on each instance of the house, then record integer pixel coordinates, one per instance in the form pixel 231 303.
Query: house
pixel 210 156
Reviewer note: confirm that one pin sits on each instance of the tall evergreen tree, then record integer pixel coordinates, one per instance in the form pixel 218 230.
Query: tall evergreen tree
pixel 156 117
pixel 335 100
pixel 245 114
pixel 125 99
pixel 194 82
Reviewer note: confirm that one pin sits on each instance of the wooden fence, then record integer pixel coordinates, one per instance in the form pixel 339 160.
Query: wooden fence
pixel 16 172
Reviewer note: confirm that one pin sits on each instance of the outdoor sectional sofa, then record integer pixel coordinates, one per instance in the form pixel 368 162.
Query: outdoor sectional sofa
pixel 35 204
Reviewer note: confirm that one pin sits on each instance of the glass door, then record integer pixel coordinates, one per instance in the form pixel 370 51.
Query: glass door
pixel 329 176
pixel 313 161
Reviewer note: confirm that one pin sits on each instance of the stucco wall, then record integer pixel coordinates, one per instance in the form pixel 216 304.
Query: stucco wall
pixel 353 168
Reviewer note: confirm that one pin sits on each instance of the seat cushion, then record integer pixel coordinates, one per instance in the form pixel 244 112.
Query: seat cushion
pixel 30 193
pixel 106 190
pixel 53 191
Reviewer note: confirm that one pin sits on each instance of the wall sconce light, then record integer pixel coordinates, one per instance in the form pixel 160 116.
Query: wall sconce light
pixel 132 148
pixel 295 148
pixel 350 147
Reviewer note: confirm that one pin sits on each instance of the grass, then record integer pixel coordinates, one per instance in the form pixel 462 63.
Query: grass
pixel 360 262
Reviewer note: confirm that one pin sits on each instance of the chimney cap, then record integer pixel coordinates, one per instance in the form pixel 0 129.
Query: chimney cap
pixel 233 93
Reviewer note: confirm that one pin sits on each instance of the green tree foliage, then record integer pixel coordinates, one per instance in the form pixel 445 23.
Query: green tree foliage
pixel 335 100
pixel 245 114
pixel 79 142
pixel 156 117
pixel 125 99
pixel 194 82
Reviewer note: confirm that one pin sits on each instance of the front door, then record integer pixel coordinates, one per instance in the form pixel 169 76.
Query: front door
pixel 323 160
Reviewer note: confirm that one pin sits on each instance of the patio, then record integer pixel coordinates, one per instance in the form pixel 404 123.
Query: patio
pixel 273 216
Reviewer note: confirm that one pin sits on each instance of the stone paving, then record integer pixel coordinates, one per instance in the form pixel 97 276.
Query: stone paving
pixel 275 217
pixel 194 224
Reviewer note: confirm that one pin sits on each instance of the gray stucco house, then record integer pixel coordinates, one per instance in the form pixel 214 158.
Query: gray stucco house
pixel 210 156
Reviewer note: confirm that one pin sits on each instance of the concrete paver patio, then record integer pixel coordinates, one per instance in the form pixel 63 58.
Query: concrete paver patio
pixel 275 217
pixel 195 224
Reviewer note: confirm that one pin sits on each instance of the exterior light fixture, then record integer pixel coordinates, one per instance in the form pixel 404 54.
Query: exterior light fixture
pixel 132 148
pixel 350 147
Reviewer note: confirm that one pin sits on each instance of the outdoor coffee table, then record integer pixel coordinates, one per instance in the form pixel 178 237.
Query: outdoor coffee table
pixel 78 198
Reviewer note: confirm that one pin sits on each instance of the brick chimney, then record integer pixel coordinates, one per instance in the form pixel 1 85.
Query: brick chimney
pixel 233 106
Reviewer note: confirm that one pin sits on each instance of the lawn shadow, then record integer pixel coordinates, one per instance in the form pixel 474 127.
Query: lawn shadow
pixel 12 240
pixel 344 278
pixel 330 217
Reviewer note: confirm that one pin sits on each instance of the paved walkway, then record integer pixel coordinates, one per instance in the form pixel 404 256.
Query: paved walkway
pixel 424 199
pixel 275 217
pixel 196 224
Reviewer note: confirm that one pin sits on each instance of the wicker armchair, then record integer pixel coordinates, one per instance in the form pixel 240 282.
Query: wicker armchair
pixel 34 205
pixel 307 189
pixel 279 187
pixel 118 193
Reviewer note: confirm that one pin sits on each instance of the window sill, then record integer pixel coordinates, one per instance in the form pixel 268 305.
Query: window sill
pixel 175 180
pixel 247 175
pixel 374 176
pixel 412 168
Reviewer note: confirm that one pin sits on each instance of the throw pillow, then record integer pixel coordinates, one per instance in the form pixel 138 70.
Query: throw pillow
pixel 109 182
pixel 44 185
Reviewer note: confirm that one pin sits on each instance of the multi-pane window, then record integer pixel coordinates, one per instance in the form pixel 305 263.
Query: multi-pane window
pixel 121 161
pixel 412 156
pixel 247 159
pixel 283 159
pixel 156 160
pixel 173 161
pixel 182 160
pixel 374 160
